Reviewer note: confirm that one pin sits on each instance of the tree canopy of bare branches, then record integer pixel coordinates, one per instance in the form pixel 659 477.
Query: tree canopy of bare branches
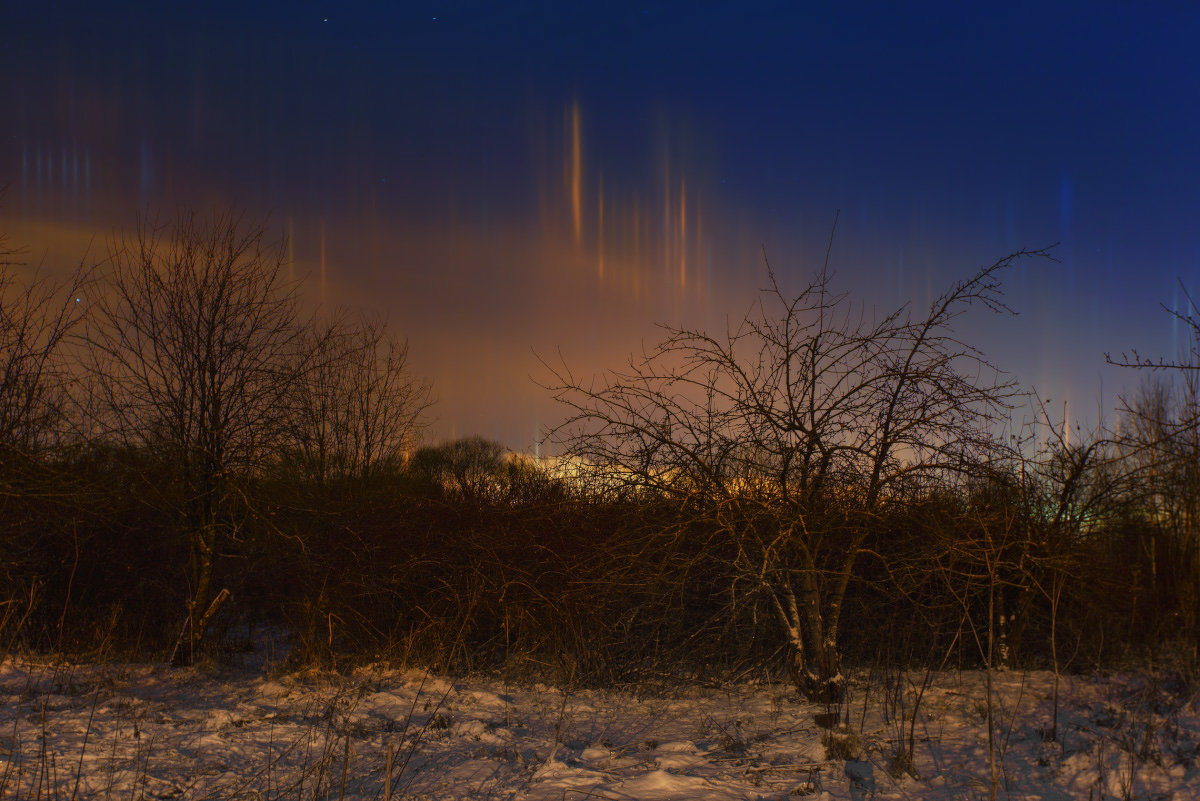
pixel 357 408
pixel 36 318
pixel 787 434
pixel 1160 443
pixel 195 347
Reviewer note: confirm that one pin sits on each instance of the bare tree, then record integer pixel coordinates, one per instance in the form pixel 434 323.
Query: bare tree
pixel 194 351
pixel 479 472
pixel 980 555
pixel 356 408
pixel 788 435
pixel 36 318
pixel 1077 487
pixel 1160 439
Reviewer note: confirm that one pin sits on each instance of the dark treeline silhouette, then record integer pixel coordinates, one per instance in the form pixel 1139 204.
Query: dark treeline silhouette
pixel 187 463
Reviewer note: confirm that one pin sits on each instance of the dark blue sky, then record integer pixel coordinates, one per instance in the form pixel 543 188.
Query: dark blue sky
pixel 502 178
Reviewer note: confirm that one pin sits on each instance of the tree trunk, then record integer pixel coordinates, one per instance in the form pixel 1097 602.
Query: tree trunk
pixel 192 635
pixel 813 661
pixel 815 669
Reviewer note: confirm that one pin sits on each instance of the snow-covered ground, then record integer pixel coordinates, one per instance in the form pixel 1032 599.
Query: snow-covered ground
pixel 146 731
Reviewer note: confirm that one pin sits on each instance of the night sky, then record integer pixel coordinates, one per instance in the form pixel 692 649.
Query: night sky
pixel 504 180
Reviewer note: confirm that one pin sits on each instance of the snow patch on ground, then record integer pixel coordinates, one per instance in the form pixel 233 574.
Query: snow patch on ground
pixel 133 731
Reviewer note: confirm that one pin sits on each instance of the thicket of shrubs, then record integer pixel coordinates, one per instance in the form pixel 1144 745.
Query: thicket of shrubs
pixel 544 577
pixel 333 532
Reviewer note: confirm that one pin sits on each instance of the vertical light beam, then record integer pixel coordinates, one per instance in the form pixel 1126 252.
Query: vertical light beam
pixel 667 226
pixel 576 174
pixel 600 229
pixel 701 255
pixel 682 233
pixel 291 251
pixel 637 234
pixel 323 263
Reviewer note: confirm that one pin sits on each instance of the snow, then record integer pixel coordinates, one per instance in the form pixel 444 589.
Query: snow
pixel 136 730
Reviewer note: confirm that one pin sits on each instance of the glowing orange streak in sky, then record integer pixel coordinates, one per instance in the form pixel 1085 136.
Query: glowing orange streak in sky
pixel 699 244
pixel 322 262
pixel 600 229
pixel 637 247
pixel 682 233
pixel 576 174
pixel 667 218
pixel 625 232
pixel 291 251
pixel 637 243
